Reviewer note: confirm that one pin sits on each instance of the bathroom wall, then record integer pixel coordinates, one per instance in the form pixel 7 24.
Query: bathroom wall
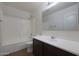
pixel 0 22
pixel 37 27
pixel 15 28
pixel 14 36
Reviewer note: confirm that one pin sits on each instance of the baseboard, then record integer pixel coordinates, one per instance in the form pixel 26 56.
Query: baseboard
pixel 4 50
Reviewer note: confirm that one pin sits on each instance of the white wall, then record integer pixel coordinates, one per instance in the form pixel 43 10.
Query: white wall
pixel 11 11
pixel 37 22
pixel 65 19
pixel 0 22
pixel 15 29
pixel 15 26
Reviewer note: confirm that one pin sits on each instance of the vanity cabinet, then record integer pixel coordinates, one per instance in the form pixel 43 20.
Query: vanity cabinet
pixel 37 47
pixel 43 49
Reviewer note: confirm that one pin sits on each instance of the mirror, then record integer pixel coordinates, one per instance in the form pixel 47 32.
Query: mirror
pixel 61 17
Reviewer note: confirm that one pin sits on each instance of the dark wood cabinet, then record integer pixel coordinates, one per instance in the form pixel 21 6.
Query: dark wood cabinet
pixel 43 49
pixel 55 51
pixel 38 48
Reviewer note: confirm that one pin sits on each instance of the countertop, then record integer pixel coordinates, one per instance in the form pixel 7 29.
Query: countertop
pixel 67 45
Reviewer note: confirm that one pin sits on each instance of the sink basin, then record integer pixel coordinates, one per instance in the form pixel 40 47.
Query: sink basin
pixel 52 37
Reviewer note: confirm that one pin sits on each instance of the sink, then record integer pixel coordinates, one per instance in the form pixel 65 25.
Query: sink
pixel 52 37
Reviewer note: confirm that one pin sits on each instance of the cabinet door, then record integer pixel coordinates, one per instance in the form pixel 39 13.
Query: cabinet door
pixel 54 51
pixel 49 50
pixel 37 48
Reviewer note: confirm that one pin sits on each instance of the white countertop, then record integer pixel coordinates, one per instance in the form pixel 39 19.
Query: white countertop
pixel 67 45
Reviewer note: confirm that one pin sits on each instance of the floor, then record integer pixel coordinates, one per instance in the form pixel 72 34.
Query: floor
pixel 22 52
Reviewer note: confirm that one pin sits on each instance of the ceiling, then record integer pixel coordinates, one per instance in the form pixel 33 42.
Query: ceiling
pixel 26 6
pixel 32 6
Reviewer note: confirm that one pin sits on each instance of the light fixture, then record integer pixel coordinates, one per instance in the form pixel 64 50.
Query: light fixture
pixel 50 4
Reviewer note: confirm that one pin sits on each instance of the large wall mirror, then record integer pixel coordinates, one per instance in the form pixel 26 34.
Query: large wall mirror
pixel 61 18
